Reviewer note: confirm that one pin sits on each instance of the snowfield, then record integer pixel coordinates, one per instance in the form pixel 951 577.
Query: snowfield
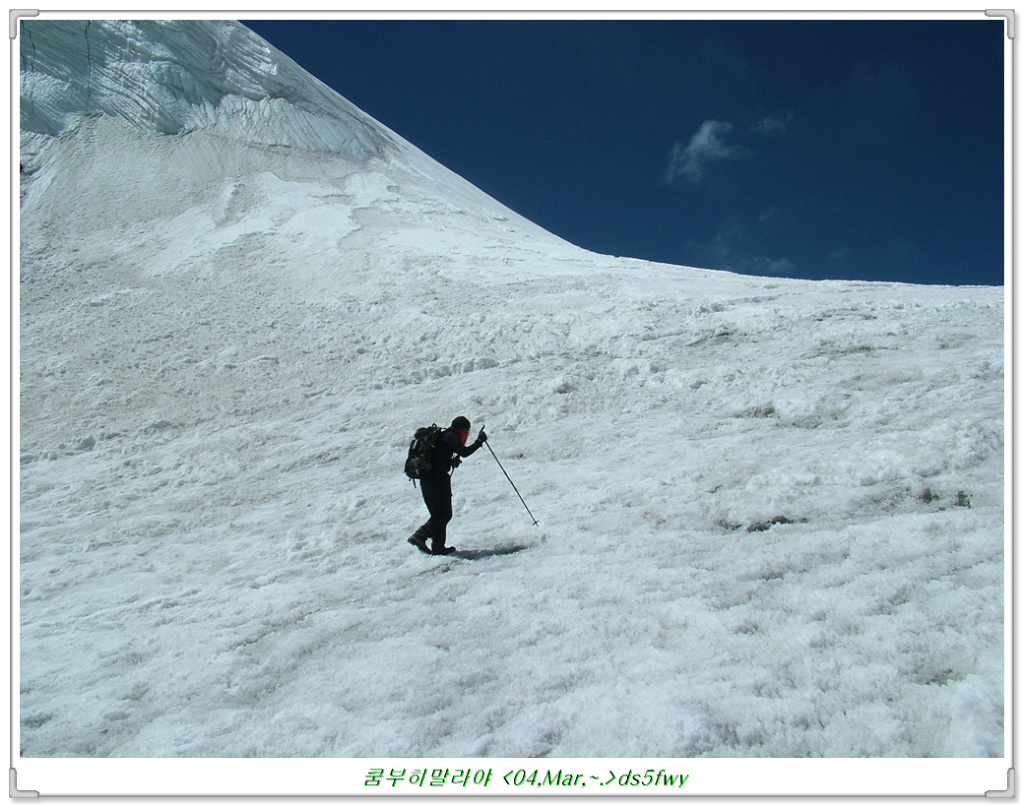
pixel 772 513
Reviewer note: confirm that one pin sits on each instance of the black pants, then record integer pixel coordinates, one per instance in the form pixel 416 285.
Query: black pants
pixel 437 495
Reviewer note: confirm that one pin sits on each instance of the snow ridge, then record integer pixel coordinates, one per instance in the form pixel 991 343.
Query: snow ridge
pixel 772 512
pixel 179 76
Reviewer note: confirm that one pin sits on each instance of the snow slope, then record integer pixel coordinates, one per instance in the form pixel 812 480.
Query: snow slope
pixel 771 511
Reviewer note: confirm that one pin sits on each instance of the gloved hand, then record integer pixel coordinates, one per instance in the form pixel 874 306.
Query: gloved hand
pixel 456 462
pixel 482 437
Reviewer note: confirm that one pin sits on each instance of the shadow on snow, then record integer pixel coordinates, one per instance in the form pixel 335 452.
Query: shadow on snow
pixel 477 554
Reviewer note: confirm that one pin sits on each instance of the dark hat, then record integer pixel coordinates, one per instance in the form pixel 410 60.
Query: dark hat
pixel 460 423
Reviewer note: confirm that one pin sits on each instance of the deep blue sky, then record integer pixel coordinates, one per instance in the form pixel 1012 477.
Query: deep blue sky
pixel 859 149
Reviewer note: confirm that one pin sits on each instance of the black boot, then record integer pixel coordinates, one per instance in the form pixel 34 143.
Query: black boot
pixel 419 540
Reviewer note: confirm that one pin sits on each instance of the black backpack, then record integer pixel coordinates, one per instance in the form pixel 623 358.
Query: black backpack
pixel 421 451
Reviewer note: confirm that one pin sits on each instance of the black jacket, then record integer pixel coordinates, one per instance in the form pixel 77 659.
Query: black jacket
pixel 447 448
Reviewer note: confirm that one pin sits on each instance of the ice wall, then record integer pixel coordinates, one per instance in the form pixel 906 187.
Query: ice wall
pixel 178 76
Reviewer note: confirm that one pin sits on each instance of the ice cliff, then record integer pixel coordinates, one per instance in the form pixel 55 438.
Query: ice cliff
pixel 179 76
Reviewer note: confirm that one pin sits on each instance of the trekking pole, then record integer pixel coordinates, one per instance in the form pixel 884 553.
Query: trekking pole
pixel 513 484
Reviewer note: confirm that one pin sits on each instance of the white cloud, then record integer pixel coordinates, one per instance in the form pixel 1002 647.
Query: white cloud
pixel 706 146
pixel 763 266
pixel 772 126
pixel 730 250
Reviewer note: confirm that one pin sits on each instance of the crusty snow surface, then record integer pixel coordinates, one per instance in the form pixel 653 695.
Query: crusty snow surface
pixel 771 512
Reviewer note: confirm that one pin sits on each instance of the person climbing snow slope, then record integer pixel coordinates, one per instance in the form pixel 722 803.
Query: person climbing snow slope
pixel 436 485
